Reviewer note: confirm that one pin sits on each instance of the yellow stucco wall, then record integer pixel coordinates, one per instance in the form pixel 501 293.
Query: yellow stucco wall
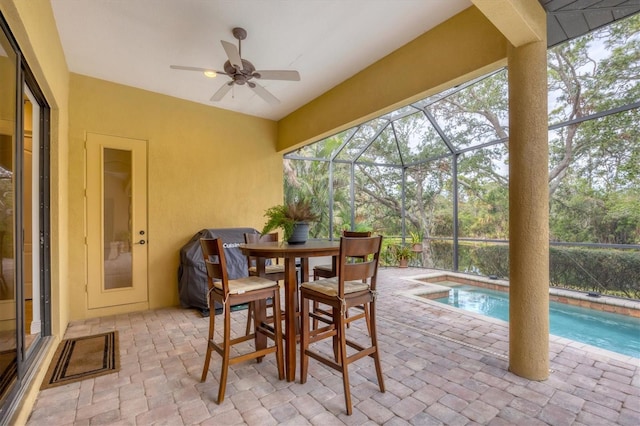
pixel 33 27
pixel 207 168
pixel 461 48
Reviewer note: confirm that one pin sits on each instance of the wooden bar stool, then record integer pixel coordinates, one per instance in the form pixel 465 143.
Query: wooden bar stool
pixel 355 285
pixel 330 270
pixel 253 290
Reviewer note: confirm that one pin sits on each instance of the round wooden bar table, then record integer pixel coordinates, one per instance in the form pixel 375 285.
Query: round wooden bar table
pixel 289 252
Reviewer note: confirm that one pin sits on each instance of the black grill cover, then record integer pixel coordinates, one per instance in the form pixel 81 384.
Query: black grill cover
pixel 192 274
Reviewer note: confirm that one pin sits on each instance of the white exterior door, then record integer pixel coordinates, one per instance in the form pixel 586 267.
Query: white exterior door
pixel 116 220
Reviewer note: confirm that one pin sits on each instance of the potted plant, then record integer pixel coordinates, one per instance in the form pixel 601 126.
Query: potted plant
pixel 402 253
pixel 292 218
pixel 416 240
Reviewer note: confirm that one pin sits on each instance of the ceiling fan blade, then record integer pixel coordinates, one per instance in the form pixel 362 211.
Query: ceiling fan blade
pixel 198 69
pixel 279 75
pixel 264 94
pixel 221 92
pixel 232 54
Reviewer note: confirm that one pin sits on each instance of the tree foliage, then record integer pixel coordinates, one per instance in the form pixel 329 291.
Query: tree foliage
pixel 402 165
pixel 594 178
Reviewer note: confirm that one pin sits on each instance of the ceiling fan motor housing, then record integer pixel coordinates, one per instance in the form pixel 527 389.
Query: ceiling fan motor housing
pixel 241 76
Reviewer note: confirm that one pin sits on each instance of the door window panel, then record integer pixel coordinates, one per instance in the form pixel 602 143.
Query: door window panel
pixel 118 272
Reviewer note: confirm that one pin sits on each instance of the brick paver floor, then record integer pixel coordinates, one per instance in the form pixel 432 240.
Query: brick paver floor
pixel 441 366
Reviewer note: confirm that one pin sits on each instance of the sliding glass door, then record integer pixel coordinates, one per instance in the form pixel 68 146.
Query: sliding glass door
pixel 24 222
pixel 8 291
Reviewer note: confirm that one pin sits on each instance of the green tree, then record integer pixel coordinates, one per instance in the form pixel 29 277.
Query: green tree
pixel 594 175
pixel 595 165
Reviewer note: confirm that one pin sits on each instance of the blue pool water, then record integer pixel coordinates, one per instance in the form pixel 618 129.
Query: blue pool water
pixel 614 332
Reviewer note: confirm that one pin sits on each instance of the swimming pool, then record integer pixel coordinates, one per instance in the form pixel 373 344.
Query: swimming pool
pixel 614 332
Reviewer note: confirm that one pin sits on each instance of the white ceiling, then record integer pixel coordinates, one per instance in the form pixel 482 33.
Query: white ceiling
pixel 133 42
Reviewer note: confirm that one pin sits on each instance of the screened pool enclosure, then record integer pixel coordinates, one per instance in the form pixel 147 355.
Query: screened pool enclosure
pixel 436 172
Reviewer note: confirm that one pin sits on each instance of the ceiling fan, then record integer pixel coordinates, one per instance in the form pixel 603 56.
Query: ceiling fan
pixel 242 71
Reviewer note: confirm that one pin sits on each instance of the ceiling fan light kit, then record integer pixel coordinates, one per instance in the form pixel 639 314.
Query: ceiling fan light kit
pixel 242 72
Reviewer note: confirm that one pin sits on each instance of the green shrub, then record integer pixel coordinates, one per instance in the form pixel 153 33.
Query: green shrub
pixel 492 260
pixel 614 272
pixel 442 254
pixel 607 271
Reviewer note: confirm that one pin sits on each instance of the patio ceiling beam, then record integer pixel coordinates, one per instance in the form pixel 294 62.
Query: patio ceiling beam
pixel 518 20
